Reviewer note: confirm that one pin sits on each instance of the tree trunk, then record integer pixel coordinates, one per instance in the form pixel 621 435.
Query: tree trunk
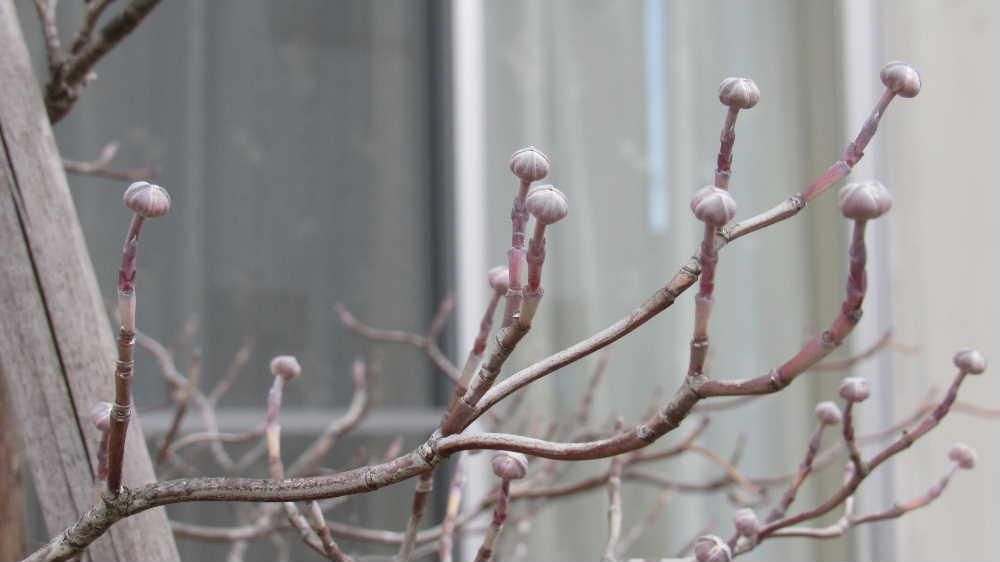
pixel 56 348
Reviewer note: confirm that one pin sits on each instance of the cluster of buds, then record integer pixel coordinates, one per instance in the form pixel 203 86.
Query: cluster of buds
pixel 548 206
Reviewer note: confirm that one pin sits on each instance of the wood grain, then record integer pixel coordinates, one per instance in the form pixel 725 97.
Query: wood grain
pixel 56 348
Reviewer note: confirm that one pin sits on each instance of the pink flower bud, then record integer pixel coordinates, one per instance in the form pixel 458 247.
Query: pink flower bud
pixel 964 455
pixel 286 367
pixel 100 416
pixel 828 413
pixel 741 93
pixel 510 466
pixel 710 548
pixel 970 361
pixel 746 523
pixel 864 200
pixel 713 206
pixel 499 278
pixel 547 204
pixel 854 389
pixel 147 200
pixel 529 164
pixel 901 78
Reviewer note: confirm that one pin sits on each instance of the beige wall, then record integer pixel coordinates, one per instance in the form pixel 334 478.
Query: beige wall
pixel 945 268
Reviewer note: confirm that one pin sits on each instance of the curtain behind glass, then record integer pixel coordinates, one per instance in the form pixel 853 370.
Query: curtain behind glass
pixel 623 96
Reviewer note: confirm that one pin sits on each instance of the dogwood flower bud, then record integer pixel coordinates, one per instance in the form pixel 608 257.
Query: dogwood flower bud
pixel 741 93
pixel 100 416
pixel 713 206
pixel 746 522
pixel 864 200
pixel 529 164
pixel 499 278
pixel 286 367
pixel 828 413
pixel 854 389
pixel 970 361
pixel 510 466
pixel 547 204
pixel 710 548
pixel 147 200
pixel 964 455
pixel 901 78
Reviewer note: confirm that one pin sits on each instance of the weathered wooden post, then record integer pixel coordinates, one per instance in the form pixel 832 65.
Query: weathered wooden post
pixel 56 348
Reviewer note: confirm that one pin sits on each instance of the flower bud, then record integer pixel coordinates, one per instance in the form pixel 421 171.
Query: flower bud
pixel 710 548
pixel 100 416
pixel 529 164
pixel 901 78
pixel 147 200
pixel 970 361
pixel 510 466
pixel 286 367
pixel 964 455
pixel 547 204
pixel 741 93
pixel 828 413
pixel 854 389
pixel 499 278
pixel 864 200
pixel 713 206
pixel 746 523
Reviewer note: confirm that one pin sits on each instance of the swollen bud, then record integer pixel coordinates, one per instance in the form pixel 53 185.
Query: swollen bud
pixel 100 416
pixel 499 279
pixel 739 93
pixel 970 361
pixel 746 523
pixel 529 164
pixel 547 204
pixel 147 200
pixel 710 548
pixel 713 205
pixel 963 454
pixel 864 200
pixel 854 389
pixel 828 413
pixel 510 466
pixel 286 367
pixel 901 78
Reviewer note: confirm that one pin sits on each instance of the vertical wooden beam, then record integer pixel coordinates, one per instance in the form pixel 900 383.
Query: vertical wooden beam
pixel 12 534
pixel 56 348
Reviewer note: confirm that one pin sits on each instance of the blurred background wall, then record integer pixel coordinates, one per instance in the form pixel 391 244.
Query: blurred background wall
pixel 357 152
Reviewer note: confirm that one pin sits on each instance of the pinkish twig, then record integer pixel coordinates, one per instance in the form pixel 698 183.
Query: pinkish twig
pixel 451 510
pixel 614 502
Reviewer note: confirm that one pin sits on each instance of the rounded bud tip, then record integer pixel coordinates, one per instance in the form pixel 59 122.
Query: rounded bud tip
pixel 286 367
pixel 100 416
pixel 828 413
pixel 713 205
pixel 499 278
pixel 964 455
pixel 147 200
pixel 510 466
pixel 746 522
pixel 710 548
pixel 901 78
pixel 864 200
pixel 970 361
pixel 547 204
pixel 741 93
pixel 854 389
pixel 529 164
